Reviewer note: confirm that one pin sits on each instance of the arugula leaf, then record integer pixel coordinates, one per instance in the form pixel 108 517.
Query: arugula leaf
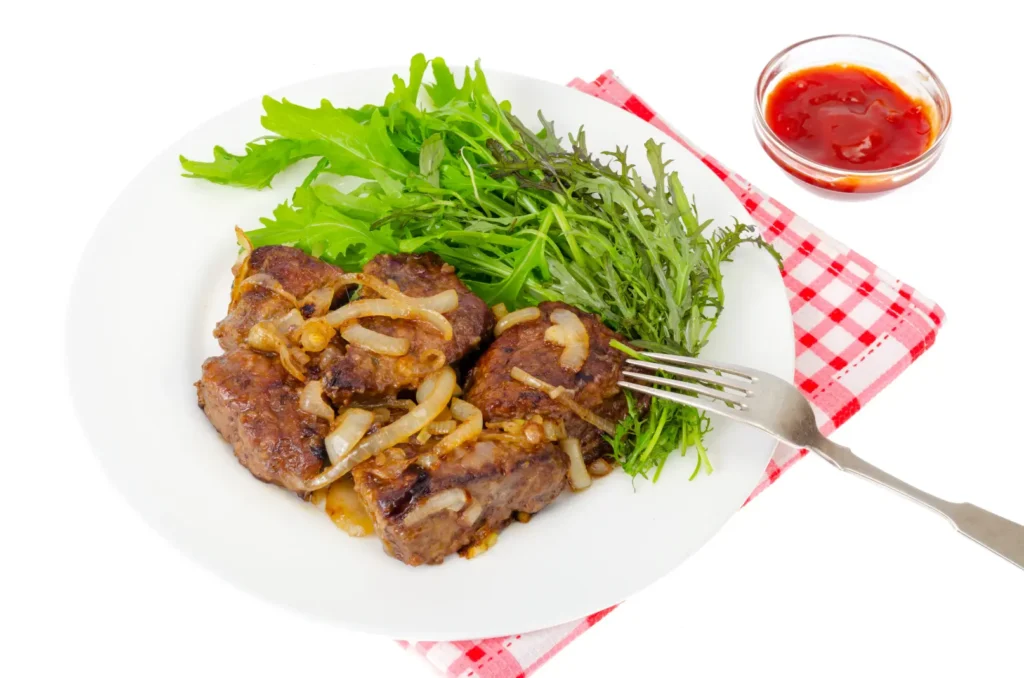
pixel 431 155
pixel 352 148
pixel 525 261
pixel 261 162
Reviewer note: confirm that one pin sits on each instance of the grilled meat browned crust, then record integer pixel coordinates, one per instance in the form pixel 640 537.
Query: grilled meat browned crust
pixel 503 477
pixel 356 371
pixel 254 403
pixel 491 388
pixel 297 272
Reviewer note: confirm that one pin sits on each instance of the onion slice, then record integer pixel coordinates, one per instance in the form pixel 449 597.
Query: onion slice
pixel 376 342
pixel 289 323
pixel 342 504
pixel 393 434
pixel 564 397
pixel 554 429
pixel 471 513
pixel 452 499
pixel 440 428
pixel 442 302
pixel 352 426
pixel 434 359
pixel 425 388
pixel 579 477
pixel 316 334
pixel 472 424
pixel 311 400
pixel 389 308
pixel 514 318
pixel 241 267
pixel 267 282
pixel 499 311
pixel 568 330
pixel 264 336
pixel 320 299
pixel 599 467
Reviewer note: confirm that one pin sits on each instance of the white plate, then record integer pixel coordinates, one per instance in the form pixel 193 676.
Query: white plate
pixel 154 280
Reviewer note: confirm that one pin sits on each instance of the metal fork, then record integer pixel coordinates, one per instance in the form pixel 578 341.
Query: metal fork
pixel 777 407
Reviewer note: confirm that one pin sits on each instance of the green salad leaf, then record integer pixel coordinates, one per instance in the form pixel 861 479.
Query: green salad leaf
pixel 523 217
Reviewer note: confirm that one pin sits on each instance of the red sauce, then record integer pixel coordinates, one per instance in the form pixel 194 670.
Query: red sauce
pixel 849 117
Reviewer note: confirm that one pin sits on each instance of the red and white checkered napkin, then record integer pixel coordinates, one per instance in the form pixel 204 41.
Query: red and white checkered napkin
pixel 856 328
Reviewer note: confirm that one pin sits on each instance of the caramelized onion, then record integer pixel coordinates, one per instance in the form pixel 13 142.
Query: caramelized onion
pixel 341 503
pixel 241 267
pixel 289 323
pixel 425 388
pixel 440 428
pixel 316 335
pixel 320 299
pixel 264 336
pixel 462 410
pixel 453 499
pixel 267 282
pixel 393 434
pixel 499 438
pixel 599 467
pixel 564 397
pixel 524 377
pixel 427 460
pixel 514 318
pixel 534 433
pixel 554 429
pixel 471 513
pixel 243 242
pixel 373 341
pixel 499 311
pixel 434 359
pixel 352 426
pixel 390 401
pixel 579 478
pixel 389 308
pixel 568 331
pixel 312 400
pixel 513 426
pixel 472 424
pixel 442 302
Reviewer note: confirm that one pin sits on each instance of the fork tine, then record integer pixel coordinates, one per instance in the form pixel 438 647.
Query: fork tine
pixel 700 404
pixel 727 396
pixel 727 382
pixel 695 362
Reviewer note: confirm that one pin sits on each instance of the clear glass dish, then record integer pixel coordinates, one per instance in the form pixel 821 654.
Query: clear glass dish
pixel 900 66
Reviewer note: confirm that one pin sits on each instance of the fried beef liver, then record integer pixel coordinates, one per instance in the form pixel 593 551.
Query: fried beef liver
pixel 254 403
pixel 502 477
pixel 491 388
pixel 297 272
pixel 355 371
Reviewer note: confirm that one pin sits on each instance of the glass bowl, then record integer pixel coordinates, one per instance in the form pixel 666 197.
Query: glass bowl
pixel 902 67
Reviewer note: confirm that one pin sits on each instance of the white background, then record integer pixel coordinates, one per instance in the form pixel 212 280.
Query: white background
pixel 822 575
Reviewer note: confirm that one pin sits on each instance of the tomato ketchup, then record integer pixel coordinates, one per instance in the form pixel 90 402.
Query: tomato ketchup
pixel 849 117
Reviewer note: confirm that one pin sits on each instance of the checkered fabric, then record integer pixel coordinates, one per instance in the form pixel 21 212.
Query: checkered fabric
pixel 856 328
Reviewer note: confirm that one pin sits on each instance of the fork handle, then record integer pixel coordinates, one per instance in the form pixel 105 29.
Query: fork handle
pixel 999 535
